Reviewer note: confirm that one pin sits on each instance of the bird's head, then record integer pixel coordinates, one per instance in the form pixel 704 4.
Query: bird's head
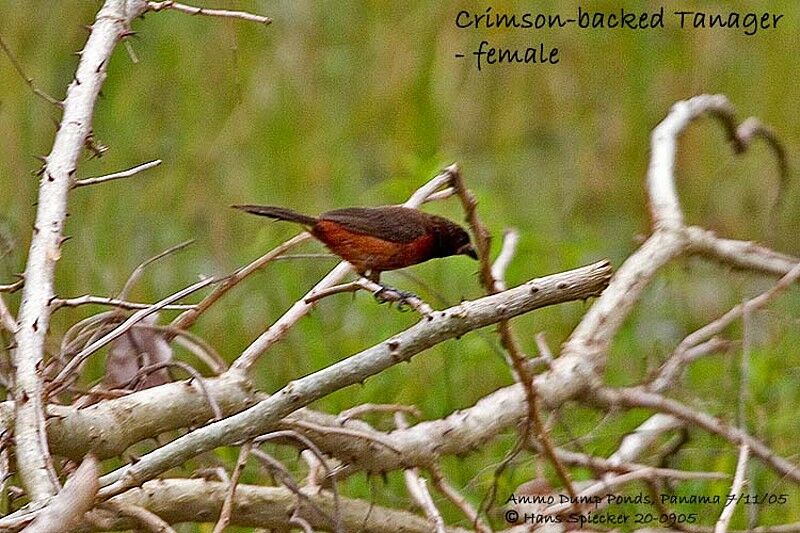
pixel 452 239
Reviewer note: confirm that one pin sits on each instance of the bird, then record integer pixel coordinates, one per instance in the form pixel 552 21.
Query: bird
pixel 378 239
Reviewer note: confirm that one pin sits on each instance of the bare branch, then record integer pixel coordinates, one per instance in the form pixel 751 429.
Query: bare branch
pixel 227 505
pixel 89 299
pixel 36 90
pixel 147 413
pixel 137 272
pixel 458 500
pixel 33 457
pixel 418 489
pixel 371 437
pixel 184 500
pixel 736 489
pixel 671 369
pixel 453 322
pixel 138 316
pixel 195 377
pixel 69 506
pixel 382 293
pixel 13 287
pixel 507 251
pixel 185 320
pixel 141 516
pixel 7 320
pixel 519 361
pixel 364 408
pixel 191 10
pixel 116 175
pixel 638 397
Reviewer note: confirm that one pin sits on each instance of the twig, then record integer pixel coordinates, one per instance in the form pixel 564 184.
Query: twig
pixel 345 431
pixel 38 92
pixel 141 516
pixel 87 299
pixel 736 490
pixel 449 323
pixel 193 343
pixel 137 272
pixel 384 293
pixel 227 505
pixel 191 10
pixel 33 457
pixel 296 520
pixel 638 397
pixel 7 320
pixel 13 287
pixel 68 507
pixel 182 500
pixel 507 251
pixel 287 480
pixel 185 320
pixel 752 129
pixel 673 366
pixel 81 356
pixel 310 446
pixel 131 52
pixel 609 485
pixel 641 438
pixel 195 376
pixel 418 488
pixel 519 361
pixel 458 500
pixel 617 467
pixel 544 350
pixel 364 408
pixel 116 175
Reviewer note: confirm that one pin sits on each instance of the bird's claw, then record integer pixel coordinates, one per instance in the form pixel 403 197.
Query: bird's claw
pixel 403 298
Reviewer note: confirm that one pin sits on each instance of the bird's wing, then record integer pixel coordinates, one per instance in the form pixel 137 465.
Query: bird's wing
pixel 394 224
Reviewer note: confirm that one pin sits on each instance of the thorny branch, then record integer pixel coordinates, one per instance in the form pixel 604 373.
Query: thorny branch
pixel 33 457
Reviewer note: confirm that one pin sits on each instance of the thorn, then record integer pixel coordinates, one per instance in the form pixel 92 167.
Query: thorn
pixel 64 239
pixel 41 158
pixel 128 33
pixel 87 27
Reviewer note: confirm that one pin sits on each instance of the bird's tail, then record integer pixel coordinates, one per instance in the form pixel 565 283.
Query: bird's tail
pixel 279 213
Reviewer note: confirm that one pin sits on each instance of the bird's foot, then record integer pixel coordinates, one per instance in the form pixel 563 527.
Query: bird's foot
pixel 405 300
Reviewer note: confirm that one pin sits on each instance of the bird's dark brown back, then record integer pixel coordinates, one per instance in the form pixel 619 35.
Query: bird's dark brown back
pixel 390 223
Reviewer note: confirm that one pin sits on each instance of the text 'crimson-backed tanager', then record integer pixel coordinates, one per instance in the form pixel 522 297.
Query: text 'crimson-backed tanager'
pixel 377 239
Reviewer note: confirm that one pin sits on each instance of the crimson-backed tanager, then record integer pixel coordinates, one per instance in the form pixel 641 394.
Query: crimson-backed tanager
pixel 377 239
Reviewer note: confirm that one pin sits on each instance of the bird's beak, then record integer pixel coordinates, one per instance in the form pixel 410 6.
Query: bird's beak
pixel 469 251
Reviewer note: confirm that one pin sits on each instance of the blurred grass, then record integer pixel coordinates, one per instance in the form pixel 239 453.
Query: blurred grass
pixel 358 103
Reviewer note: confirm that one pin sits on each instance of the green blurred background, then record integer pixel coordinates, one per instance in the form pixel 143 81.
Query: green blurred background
pixel 359 103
